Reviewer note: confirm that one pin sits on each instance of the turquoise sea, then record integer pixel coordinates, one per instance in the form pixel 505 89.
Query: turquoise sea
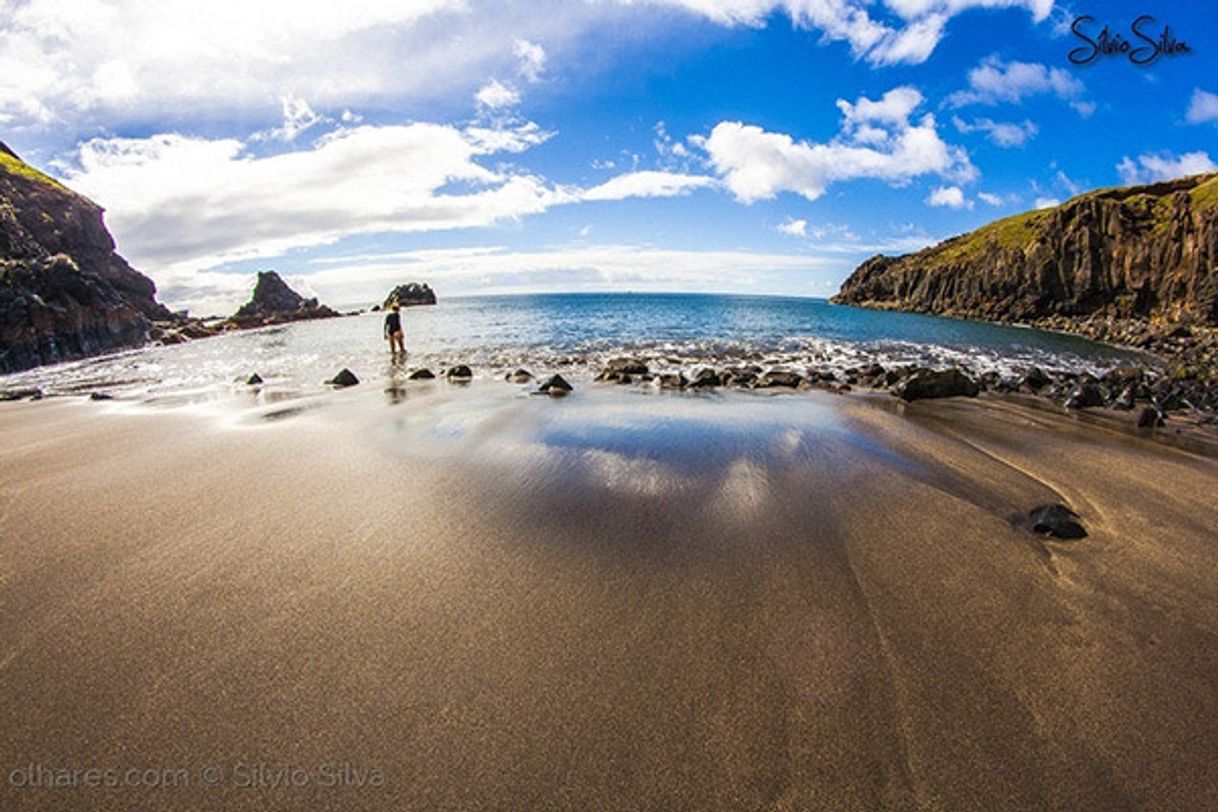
pixel 573 333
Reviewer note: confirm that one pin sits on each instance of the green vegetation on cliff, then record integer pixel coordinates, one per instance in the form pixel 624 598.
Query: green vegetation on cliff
pixel 1133 252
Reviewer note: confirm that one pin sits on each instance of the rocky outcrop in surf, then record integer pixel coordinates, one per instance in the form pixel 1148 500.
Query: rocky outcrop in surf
pixel 411 294
pixel 64 291
pixel 273 302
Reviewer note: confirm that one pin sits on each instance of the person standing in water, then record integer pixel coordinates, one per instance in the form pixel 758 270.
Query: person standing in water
pixel 393 330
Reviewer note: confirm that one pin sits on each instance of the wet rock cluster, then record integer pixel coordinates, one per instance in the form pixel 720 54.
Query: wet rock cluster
pixel 1124 388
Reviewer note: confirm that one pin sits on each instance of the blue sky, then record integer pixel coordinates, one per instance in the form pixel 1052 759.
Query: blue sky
pixel 721 145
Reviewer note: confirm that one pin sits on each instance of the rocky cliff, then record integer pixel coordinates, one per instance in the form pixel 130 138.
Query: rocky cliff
pixel 1133 253
pixel 64 292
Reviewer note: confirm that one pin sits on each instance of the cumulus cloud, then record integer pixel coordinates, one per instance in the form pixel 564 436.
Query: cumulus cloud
pixel 532 59
pixel 187 202
pixel 176 199
pixel 1047 202
pixel 951 197
pixel 1202 107
pixel 990 199
pixel 877 140
pixel 1155 166
pixel 902 31
pixel 495 94
pixel 1003 134
pixel 793 228
pixel 994 82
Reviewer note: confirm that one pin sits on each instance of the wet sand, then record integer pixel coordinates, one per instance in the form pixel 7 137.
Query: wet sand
pixel 476 600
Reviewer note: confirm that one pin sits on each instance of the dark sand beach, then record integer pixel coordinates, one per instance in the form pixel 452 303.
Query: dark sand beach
pixel 474 599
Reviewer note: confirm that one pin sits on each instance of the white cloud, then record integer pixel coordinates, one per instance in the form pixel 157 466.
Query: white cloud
pixel 893 108
pixel 1202 107
pixel 647 184
pixel 298 116
pixel 495 94
pixel 910 33
pixel 60 59
pixel 951 197
pixel 757 164
pixel 1155 166
pixel 180 203
pixel 173 199
pixel 1047 202
pixel 532 59
pixel 793 228
pixel 1003 134
pixel 990 199
pixel 994 81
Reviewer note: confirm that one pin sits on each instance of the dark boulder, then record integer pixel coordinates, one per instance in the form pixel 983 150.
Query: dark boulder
pixel 928 383
pixel 343 379
pixel 779 378
pixel 1150 418
pixel 100 396
pixel 421 375
pixel 459 373
pixel 254 379
pixel 1125 400
pixel 705 378
pixel 743 377
pixel 1036 379
pixel 20 394
pixel 1056 521
pixel 519 376
pixel 1084 395
pixel 624 370
pixel 555 386
pixel 672 380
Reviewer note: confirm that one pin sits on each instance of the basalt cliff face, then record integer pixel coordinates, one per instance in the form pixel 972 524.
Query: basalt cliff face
pixel 64 292
pixel 1139 253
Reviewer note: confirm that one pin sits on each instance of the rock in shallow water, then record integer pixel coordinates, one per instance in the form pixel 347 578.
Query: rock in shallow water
pixel 343 379
pixel 519 376
pixel 424 374
pixel 1056 521
pixel 460 372
pixel 779 378
pixel 254 379
pixel 1084 396
pixel 929 383
pixel 555 386
pixel 1150 418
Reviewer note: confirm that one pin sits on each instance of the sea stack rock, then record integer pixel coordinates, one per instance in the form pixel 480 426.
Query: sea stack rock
pixel 64 292
pixel 411 294
pixel 274 302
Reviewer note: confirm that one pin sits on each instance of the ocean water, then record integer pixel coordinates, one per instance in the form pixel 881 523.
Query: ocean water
pixel 573 333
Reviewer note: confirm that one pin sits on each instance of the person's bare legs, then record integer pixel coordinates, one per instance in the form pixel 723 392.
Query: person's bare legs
pixel 397 343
